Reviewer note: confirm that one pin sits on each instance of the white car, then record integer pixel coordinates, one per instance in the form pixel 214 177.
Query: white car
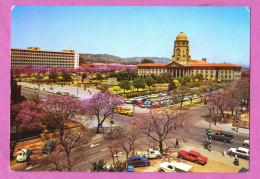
pixel 174 167
pixel 65 93
pixel 246 143
pixel 240 152
pixel 23 155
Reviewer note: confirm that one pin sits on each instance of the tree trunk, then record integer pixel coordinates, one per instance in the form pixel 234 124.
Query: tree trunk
pixel 98 129
pixel 68 160
pixel 161 146
pixel 12 149
pixel 126 165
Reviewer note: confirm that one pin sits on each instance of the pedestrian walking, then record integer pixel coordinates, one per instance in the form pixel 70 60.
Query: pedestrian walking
pixel 209 147
pixel 177 144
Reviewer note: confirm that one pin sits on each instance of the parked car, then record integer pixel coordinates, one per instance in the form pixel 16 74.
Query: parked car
pixel 246 143
pixel 153 96
pixel 240 152
pixel 48 147
pixel 73 96
pixel 35 88
pixel 160 95
pixel 174 167
pixel 65 93
pixel 193 156
pixel 150 153
pixel 58 92
pixel 159 99
pixel 140 103
pixel 23 155
pixel 137 160
pixel 186 98
pixel 145 105
pixel 155 106
pixel 166 98
pixel 127 101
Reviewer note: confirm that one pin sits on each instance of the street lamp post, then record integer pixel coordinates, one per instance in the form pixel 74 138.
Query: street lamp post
pixel 237 118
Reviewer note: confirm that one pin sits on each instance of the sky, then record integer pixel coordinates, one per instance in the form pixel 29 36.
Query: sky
pixel 220 34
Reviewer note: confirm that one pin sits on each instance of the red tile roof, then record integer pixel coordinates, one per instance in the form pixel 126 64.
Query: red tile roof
pixel 199 61
pixel 152 65
pixel 215 65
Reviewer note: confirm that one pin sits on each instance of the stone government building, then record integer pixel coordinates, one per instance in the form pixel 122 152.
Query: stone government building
pixel 182 65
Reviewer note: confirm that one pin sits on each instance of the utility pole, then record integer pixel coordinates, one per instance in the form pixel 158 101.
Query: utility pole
pixel 237 118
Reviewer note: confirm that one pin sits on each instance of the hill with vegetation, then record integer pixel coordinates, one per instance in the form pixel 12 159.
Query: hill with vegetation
pixel 106 58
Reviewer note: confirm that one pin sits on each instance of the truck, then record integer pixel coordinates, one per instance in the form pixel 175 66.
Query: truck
pixel 222 136
pixel 150 153
pixel 125 111
pixel 174 167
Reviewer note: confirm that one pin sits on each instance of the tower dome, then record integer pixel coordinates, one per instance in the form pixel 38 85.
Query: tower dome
pixel 181 36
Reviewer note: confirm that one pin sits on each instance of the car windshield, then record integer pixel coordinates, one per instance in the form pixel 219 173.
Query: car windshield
pixel 21 153
pixel 199 156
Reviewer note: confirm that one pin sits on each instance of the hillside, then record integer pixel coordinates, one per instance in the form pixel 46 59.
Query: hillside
pixel 106 58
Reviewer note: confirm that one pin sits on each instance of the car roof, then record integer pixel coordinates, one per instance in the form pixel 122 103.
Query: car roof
pixel 181 166
pixel 49 142
pixel 135 156
pixel 194 152
pixel 228 133
pixel 243 149
pixel 24 150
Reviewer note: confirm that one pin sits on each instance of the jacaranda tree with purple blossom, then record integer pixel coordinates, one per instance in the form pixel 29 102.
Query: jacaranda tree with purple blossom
pixel 25 118
pixel 60 110
pixel 101 106
pixel 222 101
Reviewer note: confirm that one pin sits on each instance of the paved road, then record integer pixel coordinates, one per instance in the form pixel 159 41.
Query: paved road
pixel 101 151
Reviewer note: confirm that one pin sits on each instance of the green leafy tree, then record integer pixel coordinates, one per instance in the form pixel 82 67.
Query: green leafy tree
pixel 159 79
pixel 99 166
pixel 84 75
pixel 171 86
pixel 153 76
pixel 16 95
pixel 186 80
pixel 66 75
pixel 167 77
pixel 99 76
pixel 147 61
pixel 182 92
pixel 139 83
pixel 149 82
pixel 53 75
pixel 125 84
pixel 199 76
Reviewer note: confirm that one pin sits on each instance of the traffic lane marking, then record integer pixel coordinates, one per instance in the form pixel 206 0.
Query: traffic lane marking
pixel 104 149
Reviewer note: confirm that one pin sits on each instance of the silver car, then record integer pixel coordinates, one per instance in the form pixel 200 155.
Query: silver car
pixel 23 155
pixel 240 152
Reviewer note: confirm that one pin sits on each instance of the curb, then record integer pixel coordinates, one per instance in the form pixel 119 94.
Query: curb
pixel 233 129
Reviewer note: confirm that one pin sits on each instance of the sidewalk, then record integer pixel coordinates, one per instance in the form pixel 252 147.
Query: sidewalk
pixel 229 127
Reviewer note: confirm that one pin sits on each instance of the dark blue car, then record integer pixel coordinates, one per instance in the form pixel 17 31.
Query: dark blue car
pixel 136 160
pixel 48 147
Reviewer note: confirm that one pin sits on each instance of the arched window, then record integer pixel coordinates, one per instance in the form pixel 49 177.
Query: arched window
pixel 187 52
pixel 178 52
pixel 183 53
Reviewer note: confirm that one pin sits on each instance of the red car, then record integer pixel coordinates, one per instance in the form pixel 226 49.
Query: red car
pixel 155 106
pixel 193 156
pixel 139 104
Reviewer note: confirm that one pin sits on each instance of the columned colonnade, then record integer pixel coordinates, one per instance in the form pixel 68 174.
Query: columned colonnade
pixel 176 72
